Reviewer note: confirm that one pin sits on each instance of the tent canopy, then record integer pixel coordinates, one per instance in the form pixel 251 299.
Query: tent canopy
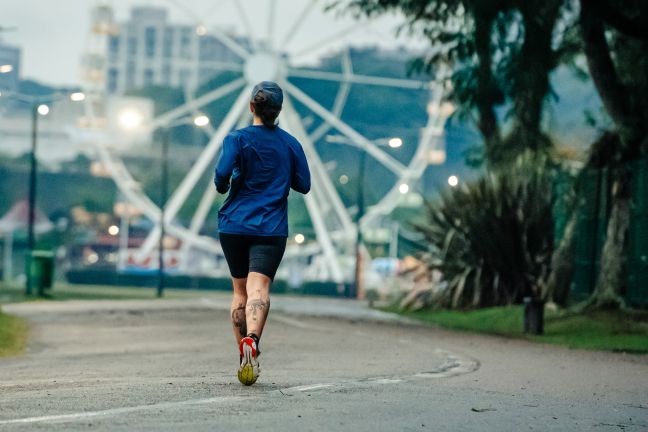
pixel 18 218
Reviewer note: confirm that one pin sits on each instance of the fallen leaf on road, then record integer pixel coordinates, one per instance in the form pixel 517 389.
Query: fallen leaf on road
pixel 482 409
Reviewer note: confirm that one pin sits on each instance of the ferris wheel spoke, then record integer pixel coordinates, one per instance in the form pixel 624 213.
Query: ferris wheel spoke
pixel 271 22
pixel 324 238
pixel 230 43
pixel 324 186
pixel 226 40
pixel 298 22
pixel 245 21
pixel 181 193
pixel 221 66
pixel 198 221
pixel 324 43
pixel 359 79
pixel 340 98
pixel 385 159
pixel 196 104
pixel 207 156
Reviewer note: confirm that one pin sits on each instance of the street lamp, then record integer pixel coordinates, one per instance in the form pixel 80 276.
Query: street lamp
pixel 132 119
pixel 395 142
pixel 39 107
pixel 35 111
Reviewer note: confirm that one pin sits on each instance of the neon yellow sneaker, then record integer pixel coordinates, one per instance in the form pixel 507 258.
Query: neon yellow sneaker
pixel 249 369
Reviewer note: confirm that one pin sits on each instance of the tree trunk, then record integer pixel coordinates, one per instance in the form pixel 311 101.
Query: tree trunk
pixel 487 91
pixel 613 93
pixel 534 63
pixel 618 103
pixel 610 282
pixel 562 265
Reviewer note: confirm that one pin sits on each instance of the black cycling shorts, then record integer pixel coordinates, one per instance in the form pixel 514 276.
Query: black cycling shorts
pixel 249 253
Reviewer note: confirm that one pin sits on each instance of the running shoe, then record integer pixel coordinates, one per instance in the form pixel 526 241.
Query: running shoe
pixel 249 369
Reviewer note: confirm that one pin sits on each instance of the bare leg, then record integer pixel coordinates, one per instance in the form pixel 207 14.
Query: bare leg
pixel 239 302
pixel 258 302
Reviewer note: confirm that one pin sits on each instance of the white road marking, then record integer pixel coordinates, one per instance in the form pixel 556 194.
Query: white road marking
pixel 308 387
pixel 291 322
pixel 122 410
pixel 453 365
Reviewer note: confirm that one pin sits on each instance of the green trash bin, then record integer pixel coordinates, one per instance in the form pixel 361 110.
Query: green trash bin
pixel 41 271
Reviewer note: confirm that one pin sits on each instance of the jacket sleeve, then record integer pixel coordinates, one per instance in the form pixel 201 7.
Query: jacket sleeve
pixel 301 180
pixel 226 163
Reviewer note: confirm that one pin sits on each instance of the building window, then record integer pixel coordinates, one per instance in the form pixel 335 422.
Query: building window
pixel 132 45
pixel 185 77
pixel 113 46
pixel 166 75
pixel 130 76
pixel 113 77
pixel 150 40
pixel 148 77
pixel 167 47
pixel 185 42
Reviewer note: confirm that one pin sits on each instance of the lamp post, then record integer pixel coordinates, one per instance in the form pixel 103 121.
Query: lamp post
pixel 38 108
pixel 358 286
pixel 164 165
pixel 130 119
pixel 33 167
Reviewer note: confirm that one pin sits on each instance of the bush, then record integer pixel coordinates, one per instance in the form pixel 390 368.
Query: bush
pixel 492 238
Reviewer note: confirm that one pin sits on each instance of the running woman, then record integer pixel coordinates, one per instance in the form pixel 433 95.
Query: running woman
pixel 258 166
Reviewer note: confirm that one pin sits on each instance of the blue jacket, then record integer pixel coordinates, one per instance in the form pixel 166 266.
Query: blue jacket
pixel 259 166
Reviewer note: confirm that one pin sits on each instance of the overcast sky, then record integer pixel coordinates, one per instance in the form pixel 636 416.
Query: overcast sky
pixel 53 33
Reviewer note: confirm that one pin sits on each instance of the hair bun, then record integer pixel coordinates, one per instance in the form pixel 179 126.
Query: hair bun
pixel 260 97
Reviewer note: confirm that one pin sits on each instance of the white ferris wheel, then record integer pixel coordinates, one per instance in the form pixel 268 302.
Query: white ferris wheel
pixel 273 52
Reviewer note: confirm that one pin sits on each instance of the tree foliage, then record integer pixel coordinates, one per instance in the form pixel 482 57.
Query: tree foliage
pixel 501 53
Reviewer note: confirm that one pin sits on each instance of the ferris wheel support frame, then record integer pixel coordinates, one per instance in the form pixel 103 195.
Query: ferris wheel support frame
pixel 331 220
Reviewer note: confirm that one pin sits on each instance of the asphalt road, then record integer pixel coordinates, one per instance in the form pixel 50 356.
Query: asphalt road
pixel 171 365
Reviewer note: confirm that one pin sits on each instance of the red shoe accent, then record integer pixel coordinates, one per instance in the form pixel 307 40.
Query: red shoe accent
pixel 249 341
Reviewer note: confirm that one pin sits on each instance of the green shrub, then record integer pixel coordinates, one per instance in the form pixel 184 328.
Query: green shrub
pixel 492 238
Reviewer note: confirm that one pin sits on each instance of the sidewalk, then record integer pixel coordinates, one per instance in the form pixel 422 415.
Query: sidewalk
pixel 288 305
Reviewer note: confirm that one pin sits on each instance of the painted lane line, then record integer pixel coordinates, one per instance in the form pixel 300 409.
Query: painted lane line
pixel 122 410
pixel 453 365
pixel 309 387
pixel 291 322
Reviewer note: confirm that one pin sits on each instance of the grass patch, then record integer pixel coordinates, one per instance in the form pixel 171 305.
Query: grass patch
pixel 608 331
pixel 13 335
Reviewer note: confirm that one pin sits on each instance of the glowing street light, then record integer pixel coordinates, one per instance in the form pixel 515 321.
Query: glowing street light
pixel 130 119
pixel 201 30
pixel 77 97
pixel 43 109
pixel 113 230
pixel 6 68
pixel 299 238
pixel 201 121
pixel 395 142
pixel 453 180
pixel 403 188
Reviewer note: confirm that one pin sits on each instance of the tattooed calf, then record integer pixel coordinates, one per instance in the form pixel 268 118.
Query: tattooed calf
pixel 258 305
pixel 238 320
